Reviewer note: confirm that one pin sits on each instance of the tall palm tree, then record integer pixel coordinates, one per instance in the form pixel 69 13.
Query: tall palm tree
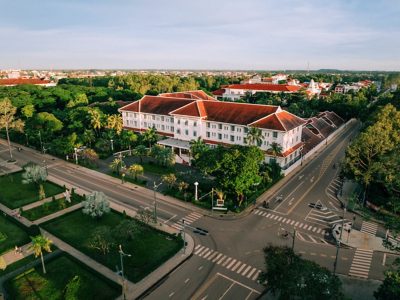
pixel 254 136
pixel 275 149
pixel 7 120
pixel 150 136
pixel 95 119
pixel 141 151
pixel 197 147
pixel 135 169
pixel 40 243
pixel 116 165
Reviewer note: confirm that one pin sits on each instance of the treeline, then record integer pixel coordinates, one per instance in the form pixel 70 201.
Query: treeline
pixel 153 84
pixel 373 158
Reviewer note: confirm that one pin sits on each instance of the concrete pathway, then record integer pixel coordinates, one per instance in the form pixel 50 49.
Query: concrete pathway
pixel 39 203
pixel 12 256
pixel 15 214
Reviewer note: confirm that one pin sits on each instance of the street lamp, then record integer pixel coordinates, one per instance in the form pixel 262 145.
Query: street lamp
pixel 338 243
pixel 45 166
pixel 155 200
pixel 27 141
pixel 76 155
pixel 121 255
pixel 41 143
pixel 195 191
pixel 183 236
pixel 112 145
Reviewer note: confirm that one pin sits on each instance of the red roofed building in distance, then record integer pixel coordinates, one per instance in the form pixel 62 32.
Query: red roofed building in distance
pixel 187 116
pixel 234 92
pixel 20 81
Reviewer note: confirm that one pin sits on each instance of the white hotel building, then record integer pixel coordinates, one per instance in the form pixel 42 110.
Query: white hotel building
pixel 185 116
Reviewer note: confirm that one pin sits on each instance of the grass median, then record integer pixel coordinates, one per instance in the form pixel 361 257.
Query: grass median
pixel 149 247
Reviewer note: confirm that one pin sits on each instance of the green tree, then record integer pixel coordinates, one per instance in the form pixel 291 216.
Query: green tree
pixel 127 138
pixel 114 122
pixel 72 288
pixel 88 137
pixel 197 148
pixel 291 277
pixel 169 179
pixel 254 136
pixel 141 151
pixel 28 111
pixel 102 239
pixel 8 120
pixel 41 243
pixel 150 136
pixel 163 156
pixel 96 119
pixel 275 149
pixel 126 230
pixel 135 170
pixel 390 287
pixel 37 175
pixel 89 156
pixel 96 205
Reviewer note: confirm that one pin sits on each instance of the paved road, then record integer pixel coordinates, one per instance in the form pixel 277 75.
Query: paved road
pixel 225 263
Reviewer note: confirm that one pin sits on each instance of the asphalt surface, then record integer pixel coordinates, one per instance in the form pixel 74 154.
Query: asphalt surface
pixel 226 261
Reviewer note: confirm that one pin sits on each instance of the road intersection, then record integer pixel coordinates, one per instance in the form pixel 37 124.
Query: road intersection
pixel 227 260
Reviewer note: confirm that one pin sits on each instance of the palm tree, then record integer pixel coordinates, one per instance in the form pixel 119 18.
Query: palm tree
pixel 7 120
pixel 150 136
pixel 197 147
pixel 135 169
pixel 275 149
pixel 88 137
pixel 116 165
pixel 254 136
pixel 141 151
pixel 95 119
pixel 40 243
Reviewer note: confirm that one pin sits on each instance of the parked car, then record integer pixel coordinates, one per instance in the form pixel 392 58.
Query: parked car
pixel 317 206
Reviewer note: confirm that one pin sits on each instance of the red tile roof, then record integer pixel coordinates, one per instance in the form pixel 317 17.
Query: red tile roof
pixel 281 120
pixel 199 94
pixel 218 92
pixel 288 151
pixel 19 81
pixel 266 87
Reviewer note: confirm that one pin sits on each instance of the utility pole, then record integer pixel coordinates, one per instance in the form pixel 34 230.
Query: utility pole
pixel 294 237
pixel 155 200
pixel 183 236
pixel 121 255
pixel 212 201
pixel 338 243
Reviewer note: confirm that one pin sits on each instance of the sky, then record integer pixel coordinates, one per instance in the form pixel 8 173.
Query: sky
pixel 200 34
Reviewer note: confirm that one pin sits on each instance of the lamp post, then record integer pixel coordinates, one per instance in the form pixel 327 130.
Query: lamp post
pixel 27 141
pixel 155 200
pixel 41 143
pixel 121 255
pixel 76 155
pixel 338 243
pixel 183 236
pixel 112 145
pixel 195 191
pixel 45 166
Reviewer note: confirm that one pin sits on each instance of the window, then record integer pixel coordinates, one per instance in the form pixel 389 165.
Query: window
pixel 186 123
pixel 179 121
pixel 126 114
pixel 238 138
pixel 246 130
pixel 232 138
pixel 274 134
pixel 135 123
pixel 135 115
pixel 225 127
pixel 219 136
pixel 144 117
pixel 163 127
pixel 194 133
pixel 162 118
pixel 178 131
pixel 172 128
pixel 186 132
pixel 214 134
pixel 208 134
pixel 171 120
pixel 225 136
pixel 153 117
pixel 232 128
pixel 214 126
pixel 145 124
pixel 194 123
pixel 208 124
pixel 220 126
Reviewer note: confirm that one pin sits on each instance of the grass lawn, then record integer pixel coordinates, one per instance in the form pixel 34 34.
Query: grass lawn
pixel 33 284
pixel 50 208
pixel 14 194
pixel 149 249
pixel 156 169
pixel 11 235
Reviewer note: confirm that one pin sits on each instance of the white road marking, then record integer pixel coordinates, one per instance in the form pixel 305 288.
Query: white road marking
pixel 187 280
pixel 237 265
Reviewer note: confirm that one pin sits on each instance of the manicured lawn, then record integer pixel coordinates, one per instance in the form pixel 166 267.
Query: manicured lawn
pixel 14 194
pixel 33 284
pixel 50 208
pixel 156 169
pixel 11 235
pixel 149 249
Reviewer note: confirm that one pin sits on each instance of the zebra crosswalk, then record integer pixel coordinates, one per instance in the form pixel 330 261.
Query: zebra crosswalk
pixel 333 188
pixel 361 263
pixel 369 227
pixel 189 219
pixel 227 262
pixel 324 217
pixel 290 222
pixel 311 239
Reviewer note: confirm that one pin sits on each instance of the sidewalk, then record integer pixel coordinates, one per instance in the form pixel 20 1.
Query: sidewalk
pixel 39 203
pixel 57 214
pixel 12 256
pixel 358 239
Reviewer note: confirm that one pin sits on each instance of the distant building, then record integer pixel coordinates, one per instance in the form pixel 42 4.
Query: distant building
pixel 345 88
pixel 20 81
pixel 236 91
